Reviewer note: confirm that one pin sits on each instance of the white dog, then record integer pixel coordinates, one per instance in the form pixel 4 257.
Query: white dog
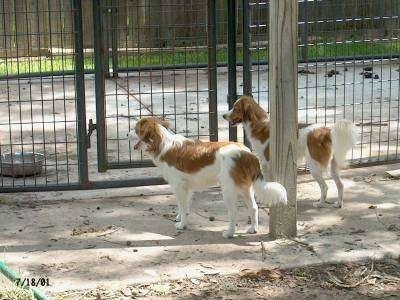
pixel 323 147
pixel 189 165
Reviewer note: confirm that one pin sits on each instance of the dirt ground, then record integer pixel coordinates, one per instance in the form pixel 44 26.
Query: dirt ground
pixel 361 280
pixel 122 240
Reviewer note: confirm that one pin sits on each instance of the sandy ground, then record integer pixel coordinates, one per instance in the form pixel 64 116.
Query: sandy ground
pixel 124 237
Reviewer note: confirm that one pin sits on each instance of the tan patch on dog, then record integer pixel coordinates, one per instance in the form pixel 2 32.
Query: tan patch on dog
pixel 319 144
pixel 246 169
pixel 192 156
pixel 148 131
pixel 260 131
pixel 267 153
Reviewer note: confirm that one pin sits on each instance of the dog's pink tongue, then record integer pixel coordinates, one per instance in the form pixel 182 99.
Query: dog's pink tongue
pixel 137 145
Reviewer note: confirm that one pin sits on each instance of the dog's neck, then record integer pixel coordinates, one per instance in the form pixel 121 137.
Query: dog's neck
pixel 169 140
pixel 257 130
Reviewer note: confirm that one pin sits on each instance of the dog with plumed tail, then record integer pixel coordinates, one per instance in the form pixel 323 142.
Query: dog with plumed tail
pixel 191 165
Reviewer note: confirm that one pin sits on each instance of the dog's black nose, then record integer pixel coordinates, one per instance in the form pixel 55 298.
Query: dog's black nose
pixel 224 116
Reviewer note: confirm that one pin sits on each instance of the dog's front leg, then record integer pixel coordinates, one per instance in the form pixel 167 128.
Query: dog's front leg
pixel 182 196
pixel 189 206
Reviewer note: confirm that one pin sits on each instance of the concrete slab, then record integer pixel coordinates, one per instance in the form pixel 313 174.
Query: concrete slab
pixel 113 238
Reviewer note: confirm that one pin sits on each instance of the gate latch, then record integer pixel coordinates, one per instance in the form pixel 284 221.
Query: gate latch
pixel 91 127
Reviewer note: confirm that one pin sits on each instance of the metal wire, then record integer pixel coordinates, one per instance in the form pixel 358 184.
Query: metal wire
pixel 169 59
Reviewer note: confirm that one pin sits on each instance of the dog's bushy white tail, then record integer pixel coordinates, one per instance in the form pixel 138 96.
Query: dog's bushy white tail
pixel 344 137
pixel 270 193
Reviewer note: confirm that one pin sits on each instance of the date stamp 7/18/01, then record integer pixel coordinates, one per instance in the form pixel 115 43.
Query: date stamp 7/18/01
pixel 34 282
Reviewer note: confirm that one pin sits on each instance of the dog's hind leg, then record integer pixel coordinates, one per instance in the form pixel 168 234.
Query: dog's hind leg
pixel 182 196
pixel 250 201
pixel 316 172
pixel 339 184
pixel 230 199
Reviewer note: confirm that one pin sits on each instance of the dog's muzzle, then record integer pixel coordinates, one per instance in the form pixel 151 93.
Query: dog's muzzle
pixel 137 143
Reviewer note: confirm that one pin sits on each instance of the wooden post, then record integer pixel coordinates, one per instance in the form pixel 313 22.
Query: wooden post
pixel 283 97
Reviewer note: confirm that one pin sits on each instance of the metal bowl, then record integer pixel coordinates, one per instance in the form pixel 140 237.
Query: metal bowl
pixel 21 164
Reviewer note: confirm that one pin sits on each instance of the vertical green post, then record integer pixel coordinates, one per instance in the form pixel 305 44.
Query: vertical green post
pixel 98 31
pixel 212 69
pixel 80 94
pixel 304 33
pixel 114 37
pixel 247 80
pixel 232 75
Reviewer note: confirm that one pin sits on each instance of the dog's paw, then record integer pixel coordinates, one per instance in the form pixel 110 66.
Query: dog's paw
pixel 180 226
pixel 178 218
pixel 252 230
pixel 338 204
pixel 228 234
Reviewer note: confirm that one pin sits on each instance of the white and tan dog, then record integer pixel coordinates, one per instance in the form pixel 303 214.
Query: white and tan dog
pixel 322 147
pixel 190 165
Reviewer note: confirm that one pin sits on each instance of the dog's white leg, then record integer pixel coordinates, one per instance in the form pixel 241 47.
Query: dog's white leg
pixel 250 201
pixel 339 184
pixel 189 206
pixel 182 194
pixel 316 172
pixel 230 199
pixel 266 171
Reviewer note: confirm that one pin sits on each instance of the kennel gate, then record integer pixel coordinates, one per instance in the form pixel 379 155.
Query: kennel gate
pixel 73 73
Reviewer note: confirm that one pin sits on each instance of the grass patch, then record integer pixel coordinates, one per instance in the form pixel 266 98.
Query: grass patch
pixel 9 290
pixel 28 65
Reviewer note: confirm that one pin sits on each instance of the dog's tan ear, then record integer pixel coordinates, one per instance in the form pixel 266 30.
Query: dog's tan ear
pixel 246 108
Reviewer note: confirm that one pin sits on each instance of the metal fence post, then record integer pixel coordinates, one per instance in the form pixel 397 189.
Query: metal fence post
pixel 80 95
pixel 232 85
pixel 304 33
pixel 106 26
pixel 247 80
pixel 98 36
pixel 212 69
pixel 283 95
pixel 114 38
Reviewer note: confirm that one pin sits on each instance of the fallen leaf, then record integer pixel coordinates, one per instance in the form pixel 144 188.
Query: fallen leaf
pixel 160 288
pixel 271 275
pixel 206 266
pixel 195 281
pixel 357 231
pixel 210 272
pixel 372 207
pixel 126 292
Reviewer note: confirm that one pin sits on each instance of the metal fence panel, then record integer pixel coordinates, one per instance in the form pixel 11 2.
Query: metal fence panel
pixel 43 114
pixel 160 65
pixel 174 59
pixel 348 68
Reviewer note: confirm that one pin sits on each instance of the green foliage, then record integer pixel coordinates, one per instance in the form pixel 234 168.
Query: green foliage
pixel 192 56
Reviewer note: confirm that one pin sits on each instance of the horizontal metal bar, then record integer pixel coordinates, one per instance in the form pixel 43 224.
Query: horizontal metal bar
pixel 42 74
pixel 356 163
pixel 130 164
pixel 89 186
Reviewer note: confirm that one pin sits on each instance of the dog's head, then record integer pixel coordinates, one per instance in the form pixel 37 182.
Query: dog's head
pixel 245 109
pixel 148 134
